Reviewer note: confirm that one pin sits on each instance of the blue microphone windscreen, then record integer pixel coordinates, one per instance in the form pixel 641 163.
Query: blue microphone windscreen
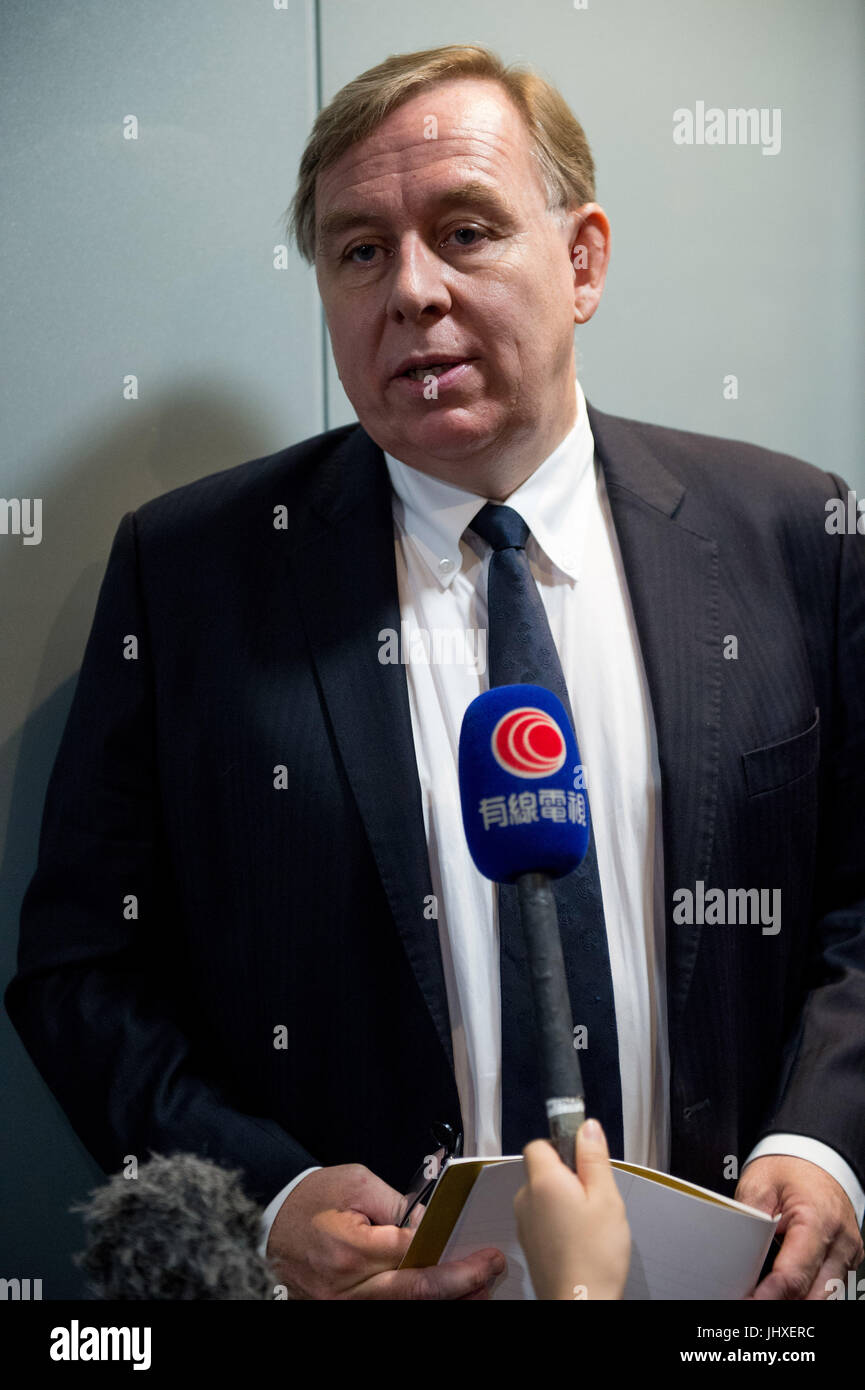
pixel 524 803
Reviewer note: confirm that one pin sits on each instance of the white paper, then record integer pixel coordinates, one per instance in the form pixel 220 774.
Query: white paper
pixel 682 1246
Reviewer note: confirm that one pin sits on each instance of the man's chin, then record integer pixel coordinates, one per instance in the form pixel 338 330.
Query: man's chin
pixel 448 435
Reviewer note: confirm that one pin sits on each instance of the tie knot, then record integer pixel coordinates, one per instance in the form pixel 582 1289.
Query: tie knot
pixel 501 526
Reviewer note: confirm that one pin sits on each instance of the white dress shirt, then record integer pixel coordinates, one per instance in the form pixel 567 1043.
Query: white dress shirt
pixel 574 557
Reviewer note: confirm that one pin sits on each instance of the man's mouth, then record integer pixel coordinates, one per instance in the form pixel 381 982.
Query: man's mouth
pixel 420 371
pixel 431 369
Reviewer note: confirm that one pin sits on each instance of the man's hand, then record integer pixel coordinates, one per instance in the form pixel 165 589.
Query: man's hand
pixel 336 1235
pixel 821 1238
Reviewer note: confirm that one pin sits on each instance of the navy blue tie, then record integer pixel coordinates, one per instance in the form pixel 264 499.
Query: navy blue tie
pixel 521 650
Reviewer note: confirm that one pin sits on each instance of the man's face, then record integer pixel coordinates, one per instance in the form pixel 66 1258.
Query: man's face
pixel 442 250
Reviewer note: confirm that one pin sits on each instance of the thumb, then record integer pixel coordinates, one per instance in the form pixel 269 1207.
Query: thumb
pixel 376 1200
pixel 593 1157
pixel 755 1190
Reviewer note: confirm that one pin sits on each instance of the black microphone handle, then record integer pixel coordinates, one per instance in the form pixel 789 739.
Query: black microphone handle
pixel 559 1065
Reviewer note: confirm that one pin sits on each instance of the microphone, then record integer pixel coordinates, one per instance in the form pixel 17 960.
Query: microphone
pixel 183 1229
pixel 526 820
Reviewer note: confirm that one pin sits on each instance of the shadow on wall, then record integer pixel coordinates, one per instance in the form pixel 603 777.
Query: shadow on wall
pixel 50 593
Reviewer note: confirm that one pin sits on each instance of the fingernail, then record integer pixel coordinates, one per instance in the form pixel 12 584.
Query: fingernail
pixel 592 1130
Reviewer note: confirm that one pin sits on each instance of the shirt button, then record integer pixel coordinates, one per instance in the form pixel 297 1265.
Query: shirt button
pixel 445 566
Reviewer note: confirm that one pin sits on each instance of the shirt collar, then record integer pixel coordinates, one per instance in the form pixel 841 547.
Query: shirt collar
pixel 553 502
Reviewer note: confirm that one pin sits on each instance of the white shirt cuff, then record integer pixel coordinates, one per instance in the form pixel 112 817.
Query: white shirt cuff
pixel 803 1146
pixel 269 1215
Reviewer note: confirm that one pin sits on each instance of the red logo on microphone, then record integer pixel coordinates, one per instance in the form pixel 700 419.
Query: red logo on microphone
pixel 529 743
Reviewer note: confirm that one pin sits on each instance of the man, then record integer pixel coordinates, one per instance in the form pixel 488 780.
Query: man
pixel 254 931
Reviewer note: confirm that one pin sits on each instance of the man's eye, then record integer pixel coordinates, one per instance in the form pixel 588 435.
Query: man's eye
pixel 474 232
pixel 364 246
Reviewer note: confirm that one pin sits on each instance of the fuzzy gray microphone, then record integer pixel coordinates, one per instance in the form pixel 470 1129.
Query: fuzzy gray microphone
pixel 183 1229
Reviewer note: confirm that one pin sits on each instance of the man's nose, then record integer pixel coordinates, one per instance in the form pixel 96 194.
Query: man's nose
pixel 417 281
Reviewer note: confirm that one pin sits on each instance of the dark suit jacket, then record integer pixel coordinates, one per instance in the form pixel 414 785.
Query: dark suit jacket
pixel 262 906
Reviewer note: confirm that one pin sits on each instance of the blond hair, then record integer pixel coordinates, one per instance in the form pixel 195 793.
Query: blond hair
pixel 558 142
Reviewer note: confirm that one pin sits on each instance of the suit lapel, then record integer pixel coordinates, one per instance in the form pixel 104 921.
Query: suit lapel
pixel 345 576
pixel 672 575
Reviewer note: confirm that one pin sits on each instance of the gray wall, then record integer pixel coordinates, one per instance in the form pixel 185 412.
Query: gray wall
pixel 152 257
pixel 155 257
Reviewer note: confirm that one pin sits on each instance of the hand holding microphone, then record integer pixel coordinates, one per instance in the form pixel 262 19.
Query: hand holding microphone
pixel 574 1227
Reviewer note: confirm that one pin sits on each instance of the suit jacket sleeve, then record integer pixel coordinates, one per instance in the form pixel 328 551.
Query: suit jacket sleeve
pixel 820 1088
pixel 97 999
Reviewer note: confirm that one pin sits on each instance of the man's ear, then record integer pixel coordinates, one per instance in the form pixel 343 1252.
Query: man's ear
pixel 589 251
